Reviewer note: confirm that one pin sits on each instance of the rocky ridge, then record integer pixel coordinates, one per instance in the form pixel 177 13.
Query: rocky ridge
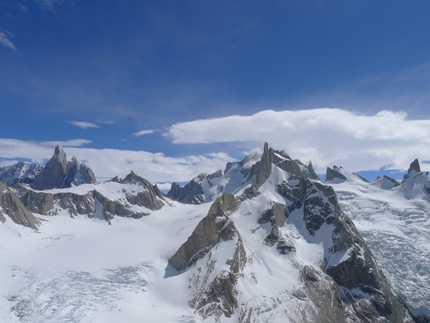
pixel 20 172
pixel 346 286
pixel 59 173
pixel 132 196
pixel 12 207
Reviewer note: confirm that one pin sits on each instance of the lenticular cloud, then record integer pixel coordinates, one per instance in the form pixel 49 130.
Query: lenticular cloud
pixel 325 136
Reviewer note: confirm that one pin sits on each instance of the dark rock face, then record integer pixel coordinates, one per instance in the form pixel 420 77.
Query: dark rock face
pixel 11 206
pixel 362 284
pixel 192 192
pixel 207 233
pixel 332 173
pixel 45 203
pixel 324 293
pixel 275 215
pixel 415 165
pixel 150 198
pixel 58 173
pixel 218 296
pixel 53 172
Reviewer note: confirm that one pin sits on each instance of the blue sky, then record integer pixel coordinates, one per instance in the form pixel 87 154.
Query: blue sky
pixel 138 84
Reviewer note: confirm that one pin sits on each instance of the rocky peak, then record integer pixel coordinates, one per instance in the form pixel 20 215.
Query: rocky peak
pixel 151 198
pixel 11 206
pixel 332 173
pixel 192 192
pixel 415 165
pixel 58 173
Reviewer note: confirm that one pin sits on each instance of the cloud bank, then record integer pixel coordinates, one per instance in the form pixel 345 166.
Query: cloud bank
pixel 325 136
pixel 107 163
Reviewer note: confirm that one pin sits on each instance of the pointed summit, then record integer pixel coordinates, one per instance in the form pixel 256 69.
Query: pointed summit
pixel 58 173
pixel 53 171
pixel 415 165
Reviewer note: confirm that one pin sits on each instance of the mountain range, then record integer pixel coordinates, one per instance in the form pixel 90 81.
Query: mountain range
pixel 264 240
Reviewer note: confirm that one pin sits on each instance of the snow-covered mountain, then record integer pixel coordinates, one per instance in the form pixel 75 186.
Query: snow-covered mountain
pixel 20 172
pixel 394 219
pixel 57 173
pixel 262 241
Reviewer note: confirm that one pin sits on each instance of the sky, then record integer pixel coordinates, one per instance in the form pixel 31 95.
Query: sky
pixel 170 89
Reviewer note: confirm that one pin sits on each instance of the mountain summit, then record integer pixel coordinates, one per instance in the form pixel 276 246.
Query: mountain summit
pixel 262 241
pixel 58 173
pixel 281 249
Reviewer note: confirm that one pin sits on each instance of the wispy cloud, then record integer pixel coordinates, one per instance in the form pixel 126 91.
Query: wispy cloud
pixel 67 143
pixel 143 132
pixel 48 4
pixel 84 124
pixel 107 163
pixel 22 7
pixel 6 42
pixel 325 136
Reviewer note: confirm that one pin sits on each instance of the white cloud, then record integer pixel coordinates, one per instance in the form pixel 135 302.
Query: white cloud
pixel 5 41
pixel 84 124
pixel 107 163
pixel 164 186
pixel 142 133
pixel 324 136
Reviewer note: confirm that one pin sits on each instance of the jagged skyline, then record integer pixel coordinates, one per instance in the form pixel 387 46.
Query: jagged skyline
pixel 180 88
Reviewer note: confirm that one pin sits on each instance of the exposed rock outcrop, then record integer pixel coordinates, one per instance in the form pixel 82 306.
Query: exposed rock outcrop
pixel 150 197
pixel 207 233
pixel 58 173
pixel 415 165
pixel 332 173
pixel 216 293
pixel 47 203
pixel 347 258
pixel 192 192
pixel 11 206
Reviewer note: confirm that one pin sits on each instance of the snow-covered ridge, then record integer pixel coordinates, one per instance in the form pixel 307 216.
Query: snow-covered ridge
pixel 273 246
pixel 394 219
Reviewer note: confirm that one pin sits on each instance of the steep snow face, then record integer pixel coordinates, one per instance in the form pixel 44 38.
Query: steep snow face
pixel 20 173
pixel 396 226
pixel 298 259
pixel 278 250
pixel 339 174
pixel 206 188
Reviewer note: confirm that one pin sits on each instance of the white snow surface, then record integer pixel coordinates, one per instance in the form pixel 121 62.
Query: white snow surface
pixel 83 270
pixel 396 226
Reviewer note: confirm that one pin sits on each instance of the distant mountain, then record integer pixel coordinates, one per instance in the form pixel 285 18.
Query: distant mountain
pixel 58 173
pixel 20 172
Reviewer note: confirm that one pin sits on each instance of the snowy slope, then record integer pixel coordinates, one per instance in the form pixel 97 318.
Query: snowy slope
pixel 395 222
pixel 19 173
pixel 278 250
pixel 84 270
